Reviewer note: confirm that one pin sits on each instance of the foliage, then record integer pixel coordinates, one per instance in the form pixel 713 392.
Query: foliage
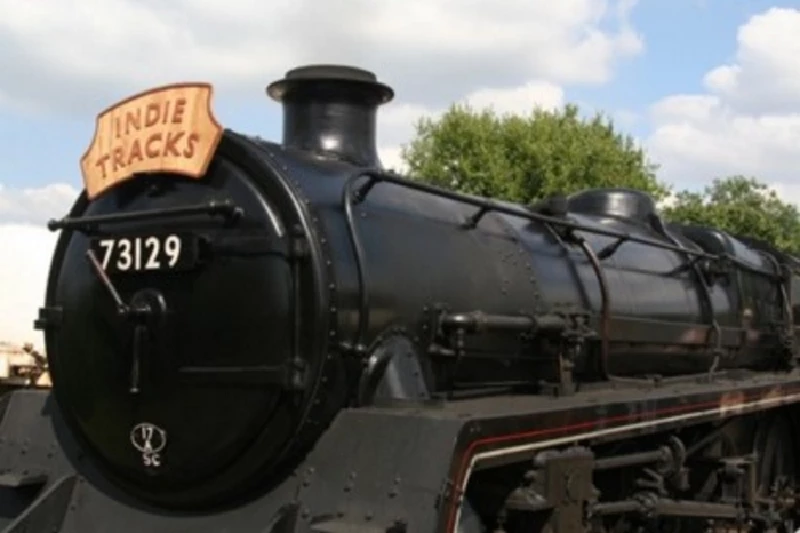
pixel 741 205
pixel 525 158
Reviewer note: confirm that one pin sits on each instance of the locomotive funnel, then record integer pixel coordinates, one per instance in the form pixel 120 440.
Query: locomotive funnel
pixel 331 110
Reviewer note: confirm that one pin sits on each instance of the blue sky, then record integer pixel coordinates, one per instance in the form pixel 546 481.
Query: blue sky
pixel 708 87
pixel 43 149
pixel 683 40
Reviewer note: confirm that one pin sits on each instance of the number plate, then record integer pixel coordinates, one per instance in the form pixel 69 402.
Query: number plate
pixel 146 253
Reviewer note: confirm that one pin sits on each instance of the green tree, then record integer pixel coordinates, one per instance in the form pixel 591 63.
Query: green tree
pixel 743 206
pixel 523 158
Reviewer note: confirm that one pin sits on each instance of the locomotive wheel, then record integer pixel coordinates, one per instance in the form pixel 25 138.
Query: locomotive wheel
pixel 772 436
pixel 729 441
pixel 776 442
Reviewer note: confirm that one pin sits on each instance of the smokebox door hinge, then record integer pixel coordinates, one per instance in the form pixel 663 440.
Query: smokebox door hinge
pixel 49 317
pixel 299 246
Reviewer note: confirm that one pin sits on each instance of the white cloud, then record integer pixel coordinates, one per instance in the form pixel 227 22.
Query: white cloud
pixel 747 121
pixel 433 51
pixel 765 76
pixel 24 264
pixel 511 54
pixel 27 247
pixel 519 99
pixel 789 192
pixel 36 206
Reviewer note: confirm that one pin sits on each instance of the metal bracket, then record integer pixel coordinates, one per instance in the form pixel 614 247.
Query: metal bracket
pixel 572 344
pixel 561 481
pixel 49 318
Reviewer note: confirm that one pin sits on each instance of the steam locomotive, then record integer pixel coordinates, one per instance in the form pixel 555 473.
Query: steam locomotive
pixel 284 337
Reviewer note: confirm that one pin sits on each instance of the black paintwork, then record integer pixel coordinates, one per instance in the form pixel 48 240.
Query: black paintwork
pixel 235 311
pixel 210 367
pixel 331 109
pixel 364 472
pixel 324 287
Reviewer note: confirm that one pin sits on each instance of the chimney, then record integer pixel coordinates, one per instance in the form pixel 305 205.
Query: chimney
pixel 331 110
